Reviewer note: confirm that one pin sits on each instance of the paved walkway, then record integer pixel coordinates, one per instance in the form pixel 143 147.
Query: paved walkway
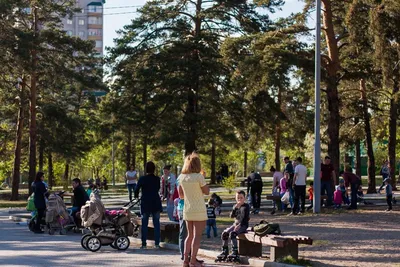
pixel 20 247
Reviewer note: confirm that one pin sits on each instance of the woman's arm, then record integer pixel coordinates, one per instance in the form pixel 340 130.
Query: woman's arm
pixel 180 191
pixel 205 189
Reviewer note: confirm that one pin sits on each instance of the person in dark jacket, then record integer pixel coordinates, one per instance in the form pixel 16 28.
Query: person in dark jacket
pixel 80 198
pixel 255 186
pixel 40 190
pixel 150 203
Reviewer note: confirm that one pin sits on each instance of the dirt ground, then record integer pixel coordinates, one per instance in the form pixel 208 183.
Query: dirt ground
pixel 341 238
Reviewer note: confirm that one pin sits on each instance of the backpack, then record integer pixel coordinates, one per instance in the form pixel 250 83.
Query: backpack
pixel 265 228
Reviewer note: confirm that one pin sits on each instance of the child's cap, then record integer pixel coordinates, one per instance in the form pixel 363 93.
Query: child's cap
pixel 386 180
pixel 341 181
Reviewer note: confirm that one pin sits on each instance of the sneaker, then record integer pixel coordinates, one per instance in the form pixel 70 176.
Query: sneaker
pixel 273 212
pixel 291 214
pixel 157 247
pixel 389 210
pixel 299 213
pixel 143 247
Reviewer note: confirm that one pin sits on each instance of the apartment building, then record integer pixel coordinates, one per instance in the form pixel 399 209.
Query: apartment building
pixel 87 24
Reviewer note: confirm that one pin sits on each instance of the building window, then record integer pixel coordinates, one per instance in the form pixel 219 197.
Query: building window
pixel 99 44
pixel 69 21
pixel 95 9
pixel 81 34
pixel 81 22
pixel 69 33
pixel 94 32
pixel 95 20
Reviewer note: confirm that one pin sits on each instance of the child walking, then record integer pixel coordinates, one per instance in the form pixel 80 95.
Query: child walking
pixel 241 213
pixel 211 221
pixel 389 194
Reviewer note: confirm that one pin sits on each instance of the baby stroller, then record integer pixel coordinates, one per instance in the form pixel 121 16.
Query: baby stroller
pixel 57 216
pixel 105 227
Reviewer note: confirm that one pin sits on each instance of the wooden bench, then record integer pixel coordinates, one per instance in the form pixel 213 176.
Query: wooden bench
pixel 169 231
pixel 281 245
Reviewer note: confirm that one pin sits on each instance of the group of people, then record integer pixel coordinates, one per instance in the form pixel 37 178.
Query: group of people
pixel 292 182
pixel 41 194
pixel 193 214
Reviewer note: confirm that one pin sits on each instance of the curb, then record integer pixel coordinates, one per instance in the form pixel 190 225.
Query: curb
pixel 213 254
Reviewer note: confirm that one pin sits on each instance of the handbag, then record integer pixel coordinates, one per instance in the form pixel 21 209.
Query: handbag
pixel 285 198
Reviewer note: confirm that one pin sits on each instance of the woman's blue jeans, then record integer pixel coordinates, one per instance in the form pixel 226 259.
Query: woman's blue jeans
pixel 156 223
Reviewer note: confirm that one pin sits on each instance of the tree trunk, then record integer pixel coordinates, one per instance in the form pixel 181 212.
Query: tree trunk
pixel 144 154
pixel 392 133
pixel 192 105
pixel 213 167
pixel 370 150
pixel 128 149
pixel 33 97
pixel 133 156
pixel 332 86
pixel 358 157
pixel 50 169
pixel 277 145
pixel 65 177
pixel 18 145
pixel 245 163
pixel 71 172
pixel 41 156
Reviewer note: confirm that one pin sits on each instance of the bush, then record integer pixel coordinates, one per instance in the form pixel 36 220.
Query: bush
pixel 229 183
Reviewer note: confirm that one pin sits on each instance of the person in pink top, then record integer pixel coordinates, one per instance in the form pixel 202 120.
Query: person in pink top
pixel 337 198
pixel 283 184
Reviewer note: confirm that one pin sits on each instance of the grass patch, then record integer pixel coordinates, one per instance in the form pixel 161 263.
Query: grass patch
pixel 291 260
pixel 224 220
pixel 12 204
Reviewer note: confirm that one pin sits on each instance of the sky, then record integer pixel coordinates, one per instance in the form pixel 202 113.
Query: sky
pixel 116 20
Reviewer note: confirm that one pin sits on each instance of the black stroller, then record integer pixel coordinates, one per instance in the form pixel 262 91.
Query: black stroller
pixel 111 228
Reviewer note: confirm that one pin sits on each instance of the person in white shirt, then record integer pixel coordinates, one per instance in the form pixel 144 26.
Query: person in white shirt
pixel 171 191
pixel 299 184
pixel 276 178
pixel 131 181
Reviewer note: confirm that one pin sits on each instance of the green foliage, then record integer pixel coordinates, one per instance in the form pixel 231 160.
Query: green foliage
pixel 229 183
pixel 299 262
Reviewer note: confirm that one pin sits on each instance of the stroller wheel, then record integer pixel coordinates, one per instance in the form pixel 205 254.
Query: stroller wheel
pixel 122 243
pixel 84 240
pixel 51 231
pixel 93 243
pixel 63 232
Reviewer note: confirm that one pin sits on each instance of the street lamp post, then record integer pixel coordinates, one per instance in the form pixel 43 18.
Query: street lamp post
pixel 317 144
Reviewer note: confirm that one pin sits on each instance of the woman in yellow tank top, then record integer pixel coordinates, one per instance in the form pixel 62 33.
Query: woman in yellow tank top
pixel 192 188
